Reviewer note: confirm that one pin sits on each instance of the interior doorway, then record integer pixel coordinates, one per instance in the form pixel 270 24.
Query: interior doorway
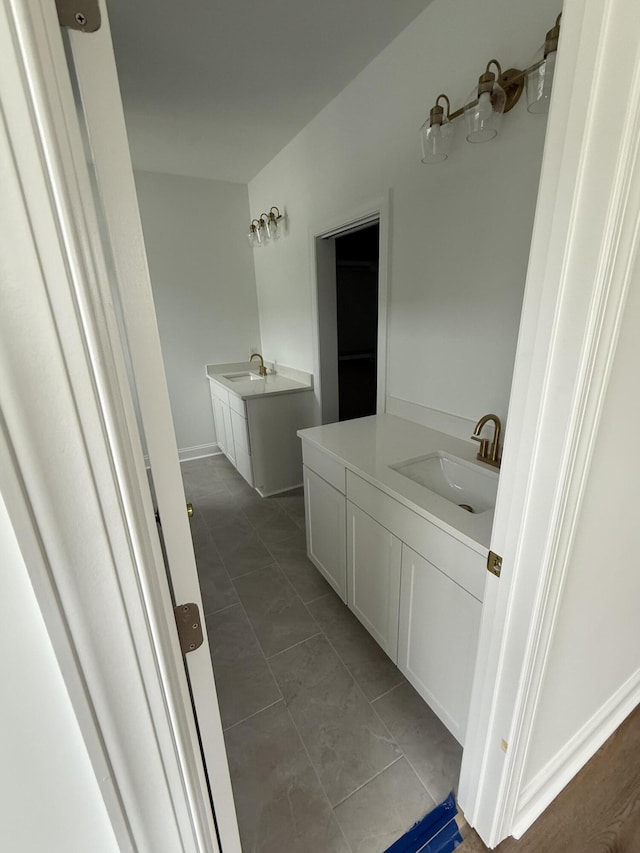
pixel 357 263
pixel 350 312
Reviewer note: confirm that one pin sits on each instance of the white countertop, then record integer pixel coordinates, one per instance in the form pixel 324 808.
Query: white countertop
pixel 368 446
pixel 285 381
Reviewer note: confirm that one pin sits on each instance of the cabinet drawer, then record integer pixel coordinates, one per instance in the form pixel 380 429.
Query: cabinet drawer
pixel 463 565
pixel 240 432
pixel 330 470
pixel 237 405
pixel 218 391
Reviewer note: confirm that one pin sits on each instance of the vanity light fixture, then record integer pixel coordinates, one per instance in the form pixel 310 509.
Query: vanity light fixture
pixel 540 76
pixel 254 236
pixel 267 227
pixel 436 133
pixel 497 92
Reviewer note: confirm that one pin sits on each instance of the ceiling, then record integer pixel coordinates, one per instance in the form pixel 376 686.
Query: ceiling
pixel 215 89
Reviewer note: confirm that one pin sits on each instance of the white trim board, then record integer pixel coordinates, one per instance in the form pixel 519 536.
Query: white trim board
pixel 198 451
pixel 548 783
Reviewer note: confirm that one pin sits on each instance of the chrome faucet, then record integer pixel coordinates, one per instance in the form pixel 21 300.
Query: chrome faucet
pixel 262 370
pixel 489 454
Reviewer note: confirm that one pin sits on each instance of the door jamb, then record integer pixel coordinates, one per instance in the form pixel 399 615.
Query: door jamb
pixel 129 688
pixel 375 209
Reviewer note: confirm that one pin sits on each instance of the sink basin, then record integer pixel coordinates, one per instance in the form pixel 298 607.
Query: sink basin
pixel 467 485
pixel 237 377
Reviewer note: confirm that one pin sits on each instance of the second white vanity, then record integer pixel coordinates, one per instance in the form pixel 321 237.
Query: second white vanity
pixel 256 418
pixel 409 562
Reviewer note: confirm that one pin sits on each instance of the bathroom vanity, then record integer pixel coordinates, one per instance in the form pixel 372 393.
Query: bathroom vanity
pixel 409 562
pixel 256 418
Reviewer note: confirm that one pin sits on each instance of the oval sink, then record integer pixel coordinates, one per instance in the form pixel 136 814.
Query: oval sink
pixel 467 485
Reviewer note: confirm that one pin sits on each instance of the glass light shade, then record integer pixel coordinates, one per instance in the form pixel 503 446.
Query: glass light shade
pixel 539 83
pixel 484 117
pixel 436 141
pixel 263 231
pixel 274 229
pixel 251 237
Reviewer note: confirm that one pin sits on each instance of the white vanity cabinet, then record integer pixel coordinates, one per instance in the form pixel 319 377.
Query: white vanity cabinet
pixel 415 587
pixel 256 428
pixel 373 577
pixel 439 625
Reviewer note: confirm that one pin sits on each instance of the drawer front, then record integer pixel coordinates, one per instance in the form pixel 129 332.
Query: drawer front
pixel 240 432
pixel 330 470
pixel 218 391
pixel 237 405
pixel 463 565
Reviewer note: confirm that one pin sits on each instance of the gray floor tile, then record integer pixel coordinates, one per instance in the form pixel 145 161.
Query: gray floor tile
pixel 432 750
pixel 280 804
pixel 374 671
pixel 216 588
pixel 346 740
pixel 277 527
pixel 240 548
pixel 384 809
pixel 243 680
pixel 293 503
pixel 278 616
pixel 303 575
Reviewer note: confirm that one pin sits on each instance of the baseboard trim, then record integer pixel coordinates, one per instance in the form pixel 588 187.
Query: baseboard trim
pixel 278 491
pixel 548 783
pixel 433 418
pixel 198 451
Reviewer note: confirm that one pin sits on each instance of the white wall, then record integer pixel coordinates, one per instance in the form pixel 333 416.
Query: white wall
pixel 204 290
pixel 49 796
pixel 594 661
pixel 460 231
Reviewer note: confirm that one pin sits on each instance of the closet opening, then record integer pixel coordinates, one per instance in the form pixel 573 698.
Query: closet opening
pixel 351 299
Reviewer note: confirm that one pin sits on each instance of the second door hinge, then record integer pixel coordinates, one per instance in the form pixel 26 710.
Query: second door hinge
pixel 189 627
pixel 83 15
pixel 494 564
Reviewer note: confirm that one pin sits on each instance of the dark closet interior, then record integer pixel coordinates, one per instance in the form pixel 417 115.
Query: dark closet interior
pixel 357 317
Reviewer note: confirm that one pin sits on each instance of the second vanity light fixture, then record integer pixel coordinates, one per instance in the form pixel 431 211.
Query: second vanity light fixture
pixel 497 92
pixel 268 227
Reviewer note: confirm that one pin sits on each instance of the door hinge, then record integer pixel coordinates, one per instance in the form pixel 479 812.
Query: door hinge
pixel 189 627
pixel 83 15
pixel 494 564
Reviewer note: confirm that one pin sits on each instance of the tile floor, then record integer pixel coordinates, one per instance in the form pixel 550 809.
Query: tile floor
pixel 330 749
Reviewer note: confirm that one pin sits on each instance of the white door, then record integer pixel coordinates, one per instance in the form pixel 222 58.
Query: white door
pixel 324 509
pixel 373 577
pixel 100 112
pixel 437 651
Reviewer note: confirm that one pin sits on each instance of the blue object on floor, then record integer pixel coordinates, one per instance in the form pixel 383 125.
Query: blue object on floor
pixel 437 832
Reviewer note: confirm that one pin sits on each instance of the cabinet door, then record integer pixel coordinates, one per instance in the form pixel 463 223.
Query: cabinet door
pixel 218 422
pixel 439 625
pixel 324 509
pixel 373 577
pixel 228 432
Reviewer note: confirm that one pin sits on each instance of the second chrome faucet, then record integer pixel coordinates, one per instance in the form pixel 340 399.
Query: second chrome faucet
pixel 489 452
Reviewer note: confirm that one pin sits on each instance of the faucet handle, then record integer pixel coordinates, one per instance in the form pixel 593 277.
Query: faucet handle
pixel 483 452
